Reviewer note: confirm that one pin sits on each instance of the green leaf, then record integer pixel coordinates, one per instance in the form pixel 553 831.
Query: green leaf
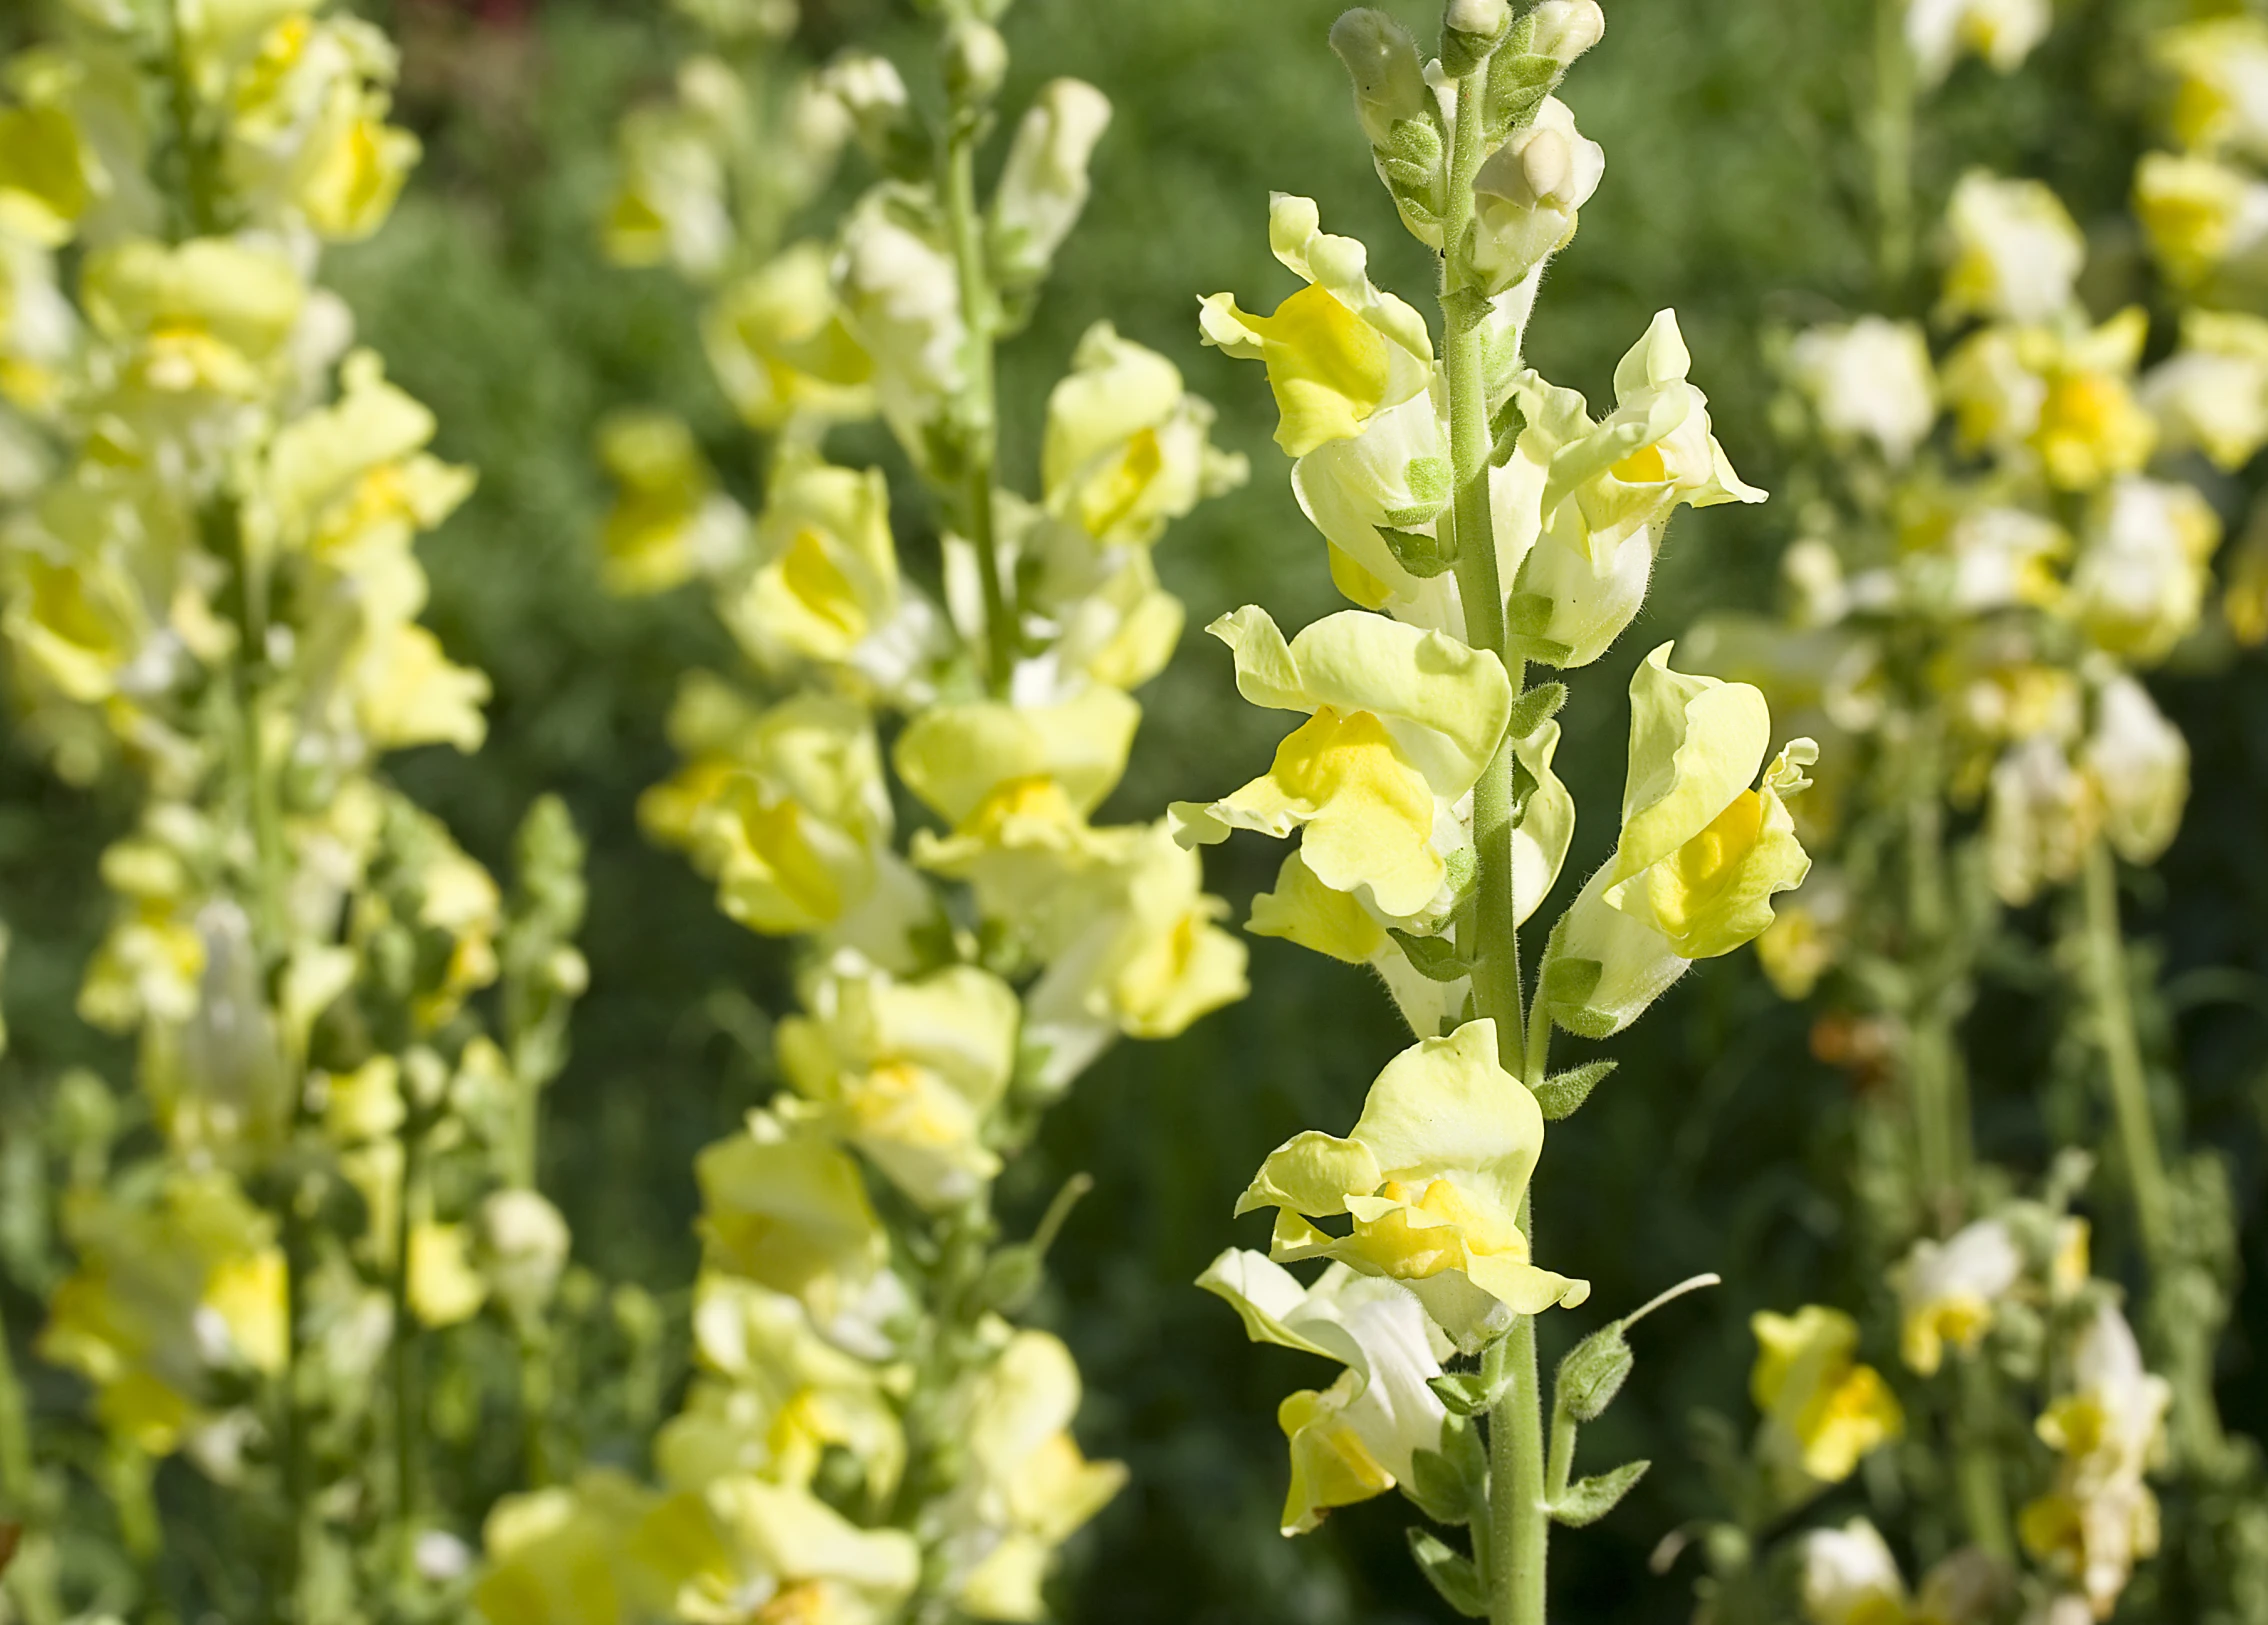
pixel 1593 1372
pixel 1596 1496
pixel 1535 708
pixel 1423 556
pixel 1504 430
pixel 1562 1094
pixel 1464 1392
pixel 1434 958
pixel 1452 1574
pixel 1438 1489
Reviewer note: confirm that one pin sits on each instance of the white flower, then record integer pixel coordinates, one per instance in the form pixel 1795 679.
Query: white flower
pixel 2003 32
pixel 1871 380
pixel 1850 1578
pixel 2016 254
pixel 1355 1439
pixel 1948 1291
pixel 2140 763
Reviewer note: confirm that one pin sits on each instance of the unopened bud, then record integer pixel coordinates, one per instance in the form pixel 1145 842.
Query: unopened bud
pixel 1483 18
pixel 1565 29
pixel 1382 60
pixel 976 60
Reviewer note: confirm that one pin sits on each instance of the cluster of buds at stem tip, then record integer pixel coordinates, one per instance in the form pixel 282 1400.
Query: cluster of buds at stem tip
pixel 1539 170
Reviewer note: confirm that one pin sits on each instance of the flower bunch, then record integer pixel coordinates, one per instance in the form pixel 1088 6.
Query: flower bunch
pixel 209 598
pixel 871 1434
pixel 1481 518
pixel 2008 526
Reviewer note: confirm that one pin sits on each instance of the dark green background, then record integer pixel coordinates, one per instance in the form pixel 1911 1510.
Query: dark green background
pixel 1734 192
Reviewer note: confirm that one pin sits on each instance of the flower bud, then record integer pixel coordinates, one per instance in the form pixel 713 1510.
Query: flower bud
pixel 1565 29
pixel 1382 60
pixel 1485 18
pixel 976 60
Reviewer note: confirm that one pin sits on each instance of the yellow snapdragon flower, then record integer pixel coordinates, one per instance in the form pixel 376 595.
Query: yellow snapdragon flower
pixel 1127 449
pixel 2202 215
pixel 1030 1486
pixel 1355 1439
pixel 1701 856
pixel 171 1286
pixel 908 1072
pixel 1948 1292
pixel 781 348
pixel 1586 504
pixel 1400 724
pixel 1823 1410
pixel 670 522
pixel 1433 1176
pixel 774 1396
pixel 2015 253
pixel 786 1208
pixel 1337 352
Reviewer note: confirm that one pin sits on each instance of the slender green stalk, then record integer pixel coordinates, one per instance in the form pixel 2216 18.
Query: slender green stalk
pixel 2105 946
pixel 1519 1522
pixel 1892 133
pixel 406 1353
pixel 979 406
pixel 15 1438
pixel 2187 1344
pixel 1984 1497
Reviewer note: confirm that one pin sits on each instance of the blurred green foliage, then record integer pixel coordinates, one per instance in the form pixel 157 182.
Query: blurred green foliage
pixel 1735 192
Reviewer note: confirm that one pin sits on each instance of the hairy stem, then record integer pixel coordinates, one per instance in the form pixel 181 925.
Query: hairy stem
pixel 978 404
pixel 1519 1524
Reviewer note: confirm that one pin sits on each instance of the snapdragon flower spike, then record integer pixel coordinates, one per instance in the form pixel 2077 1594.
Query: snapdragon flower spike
pixel 2100 1517
pixel 1354 1439
pixel 1701 855
pixel 1432 1177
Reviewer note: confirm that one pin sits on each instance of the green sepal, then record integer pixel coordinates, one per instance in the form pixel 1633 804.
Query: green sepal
pixel 1423 556
pixel 1434 958
pixel 1467 1453
pixel 1562 1094
pixel 1594 1497
pixel 1593 1372
pixel 1505 429
pixel 1466 1393
pixel 1533 709
pixel 1526 614
pixel 1452 1574
pixel 1437 1489
pixel 1570 982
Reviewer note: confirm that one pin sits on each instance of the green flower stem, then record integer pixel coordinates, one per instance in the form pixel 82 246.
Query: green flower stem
pixel 2197 1430
pixel 2105 946
pixel 1519 1523
pixel 980 427
pixel 15 1439
pixel 1936 1091
pixel 1891 133
pixel 1984 1497
pixel 406 1354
